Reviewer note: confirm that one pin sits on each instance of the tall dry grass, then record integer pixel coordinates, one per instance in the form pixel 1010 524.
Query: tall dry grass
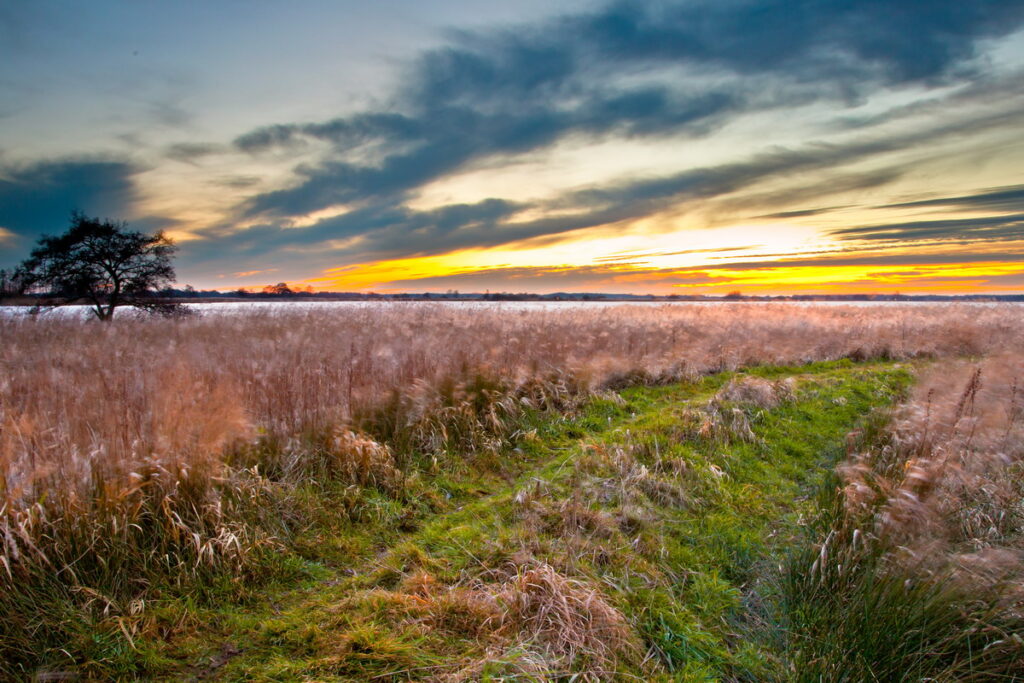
pixel 920 575
pixel 147 451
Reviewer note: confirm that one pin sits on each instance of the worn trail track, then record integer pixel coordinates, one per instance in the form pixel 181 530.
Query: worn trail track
pixel 658 516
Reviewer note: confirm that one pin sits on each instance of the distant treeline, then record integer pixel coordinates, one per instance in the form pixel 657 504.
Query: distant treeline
pixel 282 291
pixel 208 294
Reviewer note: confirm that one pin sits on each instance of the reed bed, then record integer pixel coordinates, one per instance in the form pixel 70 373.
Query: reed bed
pixel 919 575
pixel 148 452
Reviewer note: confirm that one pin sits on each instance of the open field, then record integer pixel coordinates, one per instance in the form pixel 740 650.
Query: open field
pixel 433 492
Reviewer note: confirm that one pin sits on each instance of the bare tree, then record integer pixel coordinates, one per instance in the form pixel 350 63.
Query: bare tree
pixel 8 284
pixel 101 263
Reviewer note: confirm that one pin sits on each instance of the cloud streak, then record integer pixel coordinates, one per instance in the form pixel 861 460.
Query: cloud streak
pixel 38 198
pixel 988 228
pixel 1009 198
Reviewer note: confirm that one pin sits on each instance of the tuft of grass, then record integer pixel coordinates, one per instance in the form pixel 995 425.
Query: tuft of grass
pixel 570 621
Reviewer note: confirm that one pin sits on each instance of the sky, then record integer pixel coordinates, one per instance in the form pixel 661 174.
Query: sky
pixel 665 146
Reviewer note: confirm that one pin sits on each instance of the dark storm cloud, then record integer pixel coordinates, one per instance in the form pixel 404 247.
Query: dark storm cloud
pixel 457 135
pixel 376 226
pixel 345 133
pixel 842 39
pixel 388 229
pixel 384 228
pixel 39 198
pixel 508 92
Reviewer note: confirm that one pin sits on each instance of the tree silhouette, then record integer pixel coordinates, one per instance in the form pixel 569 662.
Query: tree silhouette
pixel 8 284
pixel 102 263
pixel 280 289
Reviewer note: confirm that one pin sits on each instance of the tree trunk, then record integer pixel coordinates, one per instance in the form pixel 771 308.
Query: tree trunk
pixel 114 300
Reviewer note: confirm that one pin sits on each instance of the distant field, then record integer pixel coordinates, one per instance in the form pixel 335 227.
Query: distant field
pixel 265 307
pixel 515 490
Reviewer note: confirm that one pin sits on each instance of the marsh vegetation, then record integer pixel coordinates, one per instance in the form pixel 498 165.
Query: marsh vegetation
pixel 745 492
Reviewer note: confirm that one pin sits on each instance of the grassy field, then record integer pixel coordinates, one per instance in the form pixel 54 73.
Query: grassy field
pixel 632 547
pixel 660 494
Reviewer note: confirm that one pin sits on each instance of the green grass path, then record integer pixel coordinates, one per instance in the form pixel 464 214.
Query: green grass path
pixel 674 515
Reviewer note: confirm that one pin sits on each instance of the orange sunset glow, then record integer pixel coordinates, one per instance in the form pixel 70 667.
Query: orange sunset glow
pixel 677 148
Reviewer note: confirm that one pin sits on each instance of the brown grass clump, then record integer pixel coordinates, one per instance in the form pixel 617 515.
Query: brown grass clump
pixel 619 477
pixel 565 518
pixel 725 423
pixel 471 612
pixel 566 618
pixel 760 393
pixel 564 624
pixel 361 460
pixel 527 619
pixel 727 416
